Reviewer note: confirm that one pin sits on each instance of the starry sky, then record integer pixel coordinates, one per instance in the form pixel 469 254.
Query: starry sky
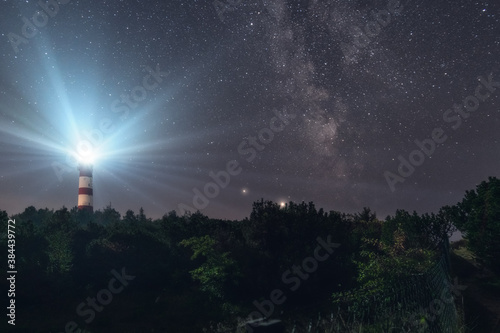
pixel 212 105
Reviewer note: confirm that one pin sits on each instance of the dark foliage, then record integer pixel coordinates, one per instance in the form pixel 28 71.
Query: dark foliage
pixel 191 271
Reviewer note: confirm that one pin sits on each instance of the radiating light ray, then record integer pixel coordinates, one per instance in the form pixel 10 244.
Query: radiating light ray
pixel 22 169
pixel 30 131
pixel 25 137
pixel 57 86
pixel 137 172
pixel 67 119
pixel 127 178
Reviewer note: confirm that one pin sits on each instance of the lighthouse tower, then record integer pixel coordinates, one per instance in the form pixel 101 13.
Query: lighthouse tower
pixel 85 193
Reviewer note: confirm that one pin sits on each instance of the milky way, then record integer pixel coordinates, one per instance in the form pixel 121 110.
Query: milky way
pixel 308 100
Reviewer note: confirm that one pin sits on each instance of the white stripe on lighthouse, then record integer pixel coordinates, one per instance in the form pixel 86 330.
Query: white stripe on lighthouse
pixel 85 190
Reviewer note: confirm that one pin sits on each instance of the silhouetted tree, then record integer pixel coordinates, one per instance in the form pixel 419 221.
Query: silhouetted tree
pixel 217 272
pixel 108 216
pixel 478 217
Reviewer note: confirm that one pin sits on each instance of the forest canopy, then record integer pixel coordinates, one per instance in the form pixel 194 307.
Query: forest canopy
pixel 191 270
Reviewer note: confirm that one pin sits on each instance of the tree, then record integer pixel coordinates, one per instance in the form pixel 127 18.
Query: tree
pixel 4 217
pixel 30 214
pixel 478 217
pixel 422 231
pixel 380 268
pixel 82 217
pixel 108 216
pixel 365 215
pixel 218 269
pixel 59 231
pixel 59 253
pixel 130 217
pixel 142 217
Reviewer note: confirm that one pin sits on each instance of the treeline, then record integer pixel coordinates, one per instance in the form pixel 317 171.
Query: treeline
pixel 189 272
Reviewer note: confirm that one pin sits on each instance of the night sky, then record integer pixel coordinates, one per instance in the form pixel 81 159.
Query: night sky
pixel 287 100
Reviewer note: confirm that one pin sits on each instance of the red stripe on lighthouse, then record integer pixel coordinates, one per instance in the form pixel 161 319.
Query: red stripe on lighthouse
pixel 85 190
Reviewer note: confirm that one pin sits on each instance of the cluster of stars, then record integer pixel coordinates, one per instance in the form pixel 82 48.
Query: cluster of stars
pixel 226 78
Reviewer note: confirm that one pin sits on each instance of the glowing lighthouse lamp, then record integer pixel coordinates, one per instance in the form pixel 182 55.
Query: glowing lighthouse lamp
pixel 85 157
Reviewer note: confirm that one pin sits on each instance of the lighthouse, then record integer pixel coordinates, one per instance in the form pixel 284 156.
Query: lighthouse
pixel 85 192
